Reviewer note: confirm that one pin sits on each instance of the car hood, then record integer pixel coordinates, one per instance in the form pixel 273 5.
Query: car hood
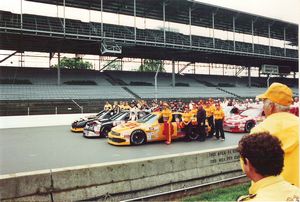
pixel 127 126
pixel 237 118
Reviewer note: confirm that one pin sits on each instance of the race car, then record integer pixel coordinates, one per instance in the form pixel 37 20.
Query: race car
pixel 78 125
pixel 147 129
pixel 101 128
pixel 244 121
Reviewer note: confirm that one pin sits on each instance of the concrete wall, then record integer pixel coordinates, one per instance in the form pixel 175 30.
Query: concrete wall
pixel 123 180
pixel 39 120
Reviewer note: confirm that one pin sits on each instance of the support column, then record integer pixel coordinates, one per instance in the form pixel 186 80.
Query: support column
pixel 190 26
pixel 58 69
pixel 233 29
pixel 194 68
pixel 249 77
pixel 269 35
pixel 223 70
pixel 121 64
pixel 21 20
pixel 213 30
pixel 99 60
pixel 64 4
pixel 284 39
pixel 101 18
pixel 164 21
pixel 90 16
pixel 173 73
pixel 134 13
pixel 21 61
pixel 252 31
pixel 259 72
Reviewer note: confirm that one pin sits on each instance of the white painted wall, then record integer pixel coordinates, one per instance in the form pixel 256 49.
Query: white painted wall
pixel 38 120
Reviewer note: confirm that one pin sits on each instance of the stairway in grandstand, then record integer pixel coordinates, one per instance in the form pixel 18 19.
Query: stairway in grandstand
pixel 131 92
pixel 226 91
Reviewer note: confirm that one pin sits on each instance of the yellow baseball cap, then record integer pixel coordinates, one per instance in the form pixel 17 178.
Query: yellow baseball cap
pixel 278 93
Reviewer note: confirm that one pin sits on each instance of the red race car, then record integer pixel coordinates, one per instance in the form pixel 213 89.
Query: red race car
pixel 244 121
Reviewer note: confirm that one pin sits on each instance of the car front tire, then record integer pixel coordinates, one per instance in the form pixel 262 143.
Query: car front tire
pixel 248 126
pixel 138 137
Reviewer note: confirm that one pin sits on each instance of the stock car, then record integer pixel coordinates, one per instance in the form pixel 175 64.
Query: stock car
pixel 244 121
pixel 146 129
pixel 101 128
pixel 78 125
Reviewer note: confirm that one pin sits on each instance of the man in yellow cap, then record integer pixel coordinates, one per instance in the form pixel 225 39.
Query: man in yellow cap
pixel 284 125
pixel 262 160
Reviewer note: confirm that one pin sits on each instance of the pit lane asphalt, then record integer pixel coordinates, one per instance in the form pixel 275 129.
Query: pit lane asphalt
pixel 29 149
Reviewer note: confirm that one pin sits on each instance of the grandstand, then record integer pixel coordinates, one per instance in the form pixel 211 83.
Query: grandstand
pixel 125 85
pixel 31 32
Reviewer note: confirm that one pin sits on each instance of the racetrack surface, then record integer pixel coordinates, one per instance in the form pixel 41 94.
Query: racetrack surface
pixel 29 149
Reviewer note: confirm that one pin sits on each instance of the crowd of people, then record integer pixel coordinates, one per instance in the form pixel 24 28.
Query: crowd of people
pixel 195 114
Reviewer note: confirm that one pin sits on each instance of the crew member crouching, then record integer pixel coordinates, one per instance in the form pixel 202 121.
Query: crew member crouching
pixel 186 124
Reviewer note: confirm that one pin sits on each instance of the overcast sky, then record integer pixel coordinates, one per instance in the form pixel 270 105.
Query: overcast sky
pixel 287 10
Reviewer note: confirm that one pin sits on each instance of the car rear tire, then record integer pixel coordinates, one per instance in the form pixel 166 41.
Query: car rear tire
pixel 248 126
pixel 137 137
pixel 105 131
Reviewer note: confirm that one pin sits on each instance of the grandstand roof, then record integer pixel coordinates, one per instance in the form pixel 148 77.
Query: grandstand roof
pixel 178 11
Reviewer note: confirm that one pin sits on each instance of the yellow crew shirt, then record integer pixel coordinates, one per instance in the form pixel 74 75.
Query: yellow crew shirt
pixel 209 110
pixel 219 114
pixel 272 188
pixel 186 117
pixel 167 113
pixel 107 107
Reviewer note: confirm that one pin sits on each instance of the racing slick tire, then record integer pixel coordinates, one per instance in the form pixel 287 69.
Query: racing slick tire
pixel 248 126
pixel 137 137
pixel 105 131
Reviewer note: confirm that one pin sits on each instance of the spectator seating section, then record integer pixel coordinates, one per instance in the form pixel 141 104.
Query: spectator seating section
pixel 44 86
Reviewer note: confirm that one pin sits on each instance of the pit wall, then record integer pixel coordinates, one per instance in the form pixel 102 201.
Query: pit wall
pixel 124 179
pixel 39 120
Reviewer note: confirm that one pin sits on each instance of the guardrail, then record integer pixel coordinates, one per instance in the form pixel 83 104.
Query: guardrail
pixel 123 180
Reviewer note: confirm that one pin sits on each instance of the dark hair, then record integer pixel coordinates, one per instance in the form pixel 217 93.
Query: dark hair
pixel 264 153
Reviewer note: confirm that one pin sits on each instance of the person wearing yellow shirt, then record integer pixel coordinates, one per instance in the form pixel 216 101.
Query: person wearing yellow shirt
pixel 167 118
pixel 284 125
pixel 194 112
pixel 219 116
pixel 116 108
pixel 262 161
pixel 121 105
pixel 126 106
pixel 186 124
pixel 107 106
pixel 210 108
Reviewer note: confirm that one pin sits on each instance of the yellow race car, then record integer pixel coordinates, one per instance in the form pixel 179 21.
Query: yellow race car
pixel 147 129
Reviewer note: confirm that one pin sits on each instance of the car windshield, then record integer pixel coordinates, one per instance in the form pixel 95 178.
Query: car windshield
pixel 116 116
pixel 252 112
pixel 147 118
pixel 100 113
pixel 122 116
pixel 227 109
